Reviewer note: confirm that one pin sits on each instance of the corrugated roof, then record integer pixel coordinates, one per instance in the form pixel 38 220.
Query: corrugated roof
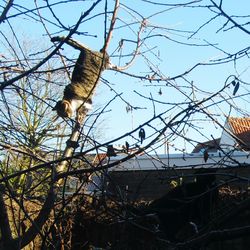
pixel 241 129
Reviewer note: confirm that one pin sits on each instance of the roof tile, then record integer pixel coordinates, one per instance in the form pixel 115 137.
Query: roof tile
pixel 241 129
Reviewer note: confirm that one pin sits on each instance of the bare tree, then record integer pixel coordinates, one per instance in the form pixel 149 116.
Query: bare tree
pixel 172 109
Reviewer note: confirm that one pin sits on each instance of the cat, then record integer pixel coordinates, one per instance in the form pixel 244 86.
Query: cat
pixel 77 98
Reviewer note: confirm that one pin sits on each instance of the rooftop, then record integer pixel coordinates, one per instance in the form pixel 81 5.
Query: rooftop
pixel 241 129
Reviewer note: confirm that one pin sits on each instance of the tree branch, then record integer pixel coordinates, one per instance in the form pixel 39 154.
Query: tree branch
pixel 11 81
pixel 229 18
pixel 6 237
pixel 218 235
pixel 5 11
pixel 112 24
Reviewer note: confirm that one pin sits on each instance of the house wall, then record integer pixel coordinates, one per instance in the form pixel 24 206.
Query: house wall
pixel 149 177
pixel 138 185
pixel 166 162
pixel 227 142
pixel 134 185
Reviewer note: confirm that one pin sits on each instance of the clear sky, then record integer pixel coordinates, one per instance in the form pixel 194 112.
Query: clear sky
pixel 166 53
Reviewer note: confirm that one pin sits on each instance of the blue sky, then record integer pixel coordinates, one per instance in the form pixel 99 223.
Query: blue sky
pixel 168 57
